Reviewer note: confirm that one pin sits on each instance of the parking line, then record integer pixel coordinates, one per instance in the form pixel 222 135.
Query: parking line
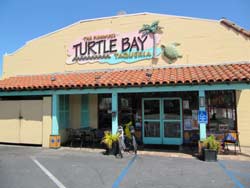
pixel 123 173
pixel 230 174
pixel 48 173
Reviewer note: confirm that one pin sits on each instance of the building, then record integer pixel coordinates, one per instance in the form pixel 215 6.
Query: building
pixel 174 77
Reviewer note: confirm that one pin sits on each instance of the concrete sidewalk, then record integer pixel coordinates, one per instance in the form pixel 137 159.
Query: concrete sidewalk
pixel 243 156
pixel 240 156
pixel 245 150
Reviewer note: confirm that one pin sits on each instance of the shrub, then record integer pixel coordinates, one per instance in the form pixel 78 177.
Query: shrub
pixel 211 143
pixel 109 139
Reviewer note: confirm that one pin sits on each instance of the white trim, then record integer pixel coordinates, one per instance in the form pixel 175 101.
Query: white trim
pixel 48 173
pixel 109 17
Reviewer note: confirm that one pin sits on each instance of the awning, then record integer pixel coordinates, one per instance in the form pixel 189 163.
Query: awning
pixel 173 75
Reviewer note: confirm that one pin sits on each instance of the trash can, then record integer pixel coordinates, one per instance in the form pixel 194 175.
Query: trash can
pixel 55 141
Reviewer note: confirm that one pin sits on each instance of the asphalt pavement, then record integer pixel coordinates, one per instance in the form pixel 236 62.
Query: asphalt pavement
pixel 35 167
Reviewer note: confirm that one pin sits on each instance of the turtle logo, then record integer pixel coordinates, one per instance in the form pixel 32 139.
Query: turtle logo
pixel 170 52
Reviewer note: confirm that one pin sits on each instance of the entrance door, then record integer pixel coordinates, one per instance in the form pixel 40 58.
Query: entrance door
pixel 21 121
pixel 172 121
pixel 162 121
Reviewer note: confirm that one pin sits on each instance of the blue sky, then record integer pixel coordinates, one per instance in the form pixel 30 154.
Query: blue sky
pixel 21 21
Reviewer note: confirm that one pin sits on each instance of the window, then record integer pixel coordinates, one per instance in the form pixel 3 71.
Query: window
pixel 63 111
pixel 85 111
pixel 221 110
pixel 104 111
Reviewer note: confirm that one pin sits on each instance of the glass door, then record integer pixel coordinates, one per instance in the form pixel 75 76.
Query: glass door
pixel 151 121
pixel 172 121
pixel 162 121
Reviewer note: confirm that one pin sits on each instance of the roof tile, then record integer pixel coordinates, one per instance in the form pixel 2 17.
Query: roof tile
pixel 140 77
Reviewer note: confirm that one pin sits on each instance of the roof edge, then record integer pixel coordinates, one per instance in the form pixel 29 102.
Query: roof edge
pixel 235 27
pixel 133 68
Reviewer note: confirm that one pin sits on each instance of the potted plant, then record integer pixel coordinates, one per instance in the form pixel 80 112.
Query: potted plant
pixel 111 142
pixel 210 149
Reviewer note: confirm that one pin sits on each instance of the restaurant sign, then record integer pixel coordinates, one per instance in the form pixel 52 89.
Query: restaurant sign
pixel 112 48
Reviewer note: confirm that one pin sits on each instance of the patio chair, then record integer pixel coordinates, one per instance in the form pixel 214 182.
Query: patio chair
pixel 194 139
pixel 75 135
pixel 231 138
pixel 97 136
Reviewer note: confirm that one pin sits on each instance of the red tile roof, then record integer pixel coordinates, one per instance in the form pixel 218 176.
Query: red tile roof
pixel 235 27
pixel 141 77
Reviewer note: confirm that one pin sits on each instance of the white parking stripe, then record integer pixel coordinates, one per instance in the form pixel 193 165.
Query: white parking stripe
pixel 48 173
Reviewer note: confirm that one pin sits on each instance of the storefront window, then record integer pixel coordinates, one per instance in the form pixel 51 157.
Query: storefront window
pixel 125 109
pixel 104 111
pixel 190 106
pixel 152 109
pixel 221 110
pixel 171 109
pixel 152 129
pixel 63 111
pixel 172 129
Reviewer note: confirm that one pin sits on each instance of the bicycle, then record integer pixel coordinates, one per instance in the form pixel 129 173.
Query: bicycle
pixel 132 141
pixel 121 145
pixel 128 142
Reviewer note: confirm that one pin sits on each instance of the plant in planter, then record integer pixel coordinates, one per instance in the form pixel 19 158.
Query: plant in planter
pixel 210 149
pixel 111 141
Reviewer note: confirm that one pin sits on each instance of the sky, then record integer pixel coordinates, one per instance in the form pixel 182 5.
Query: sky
pixel 24 20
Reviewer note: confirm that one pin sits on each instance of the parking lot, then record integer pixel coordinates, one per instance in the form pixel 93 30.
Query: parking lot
pixel 34 167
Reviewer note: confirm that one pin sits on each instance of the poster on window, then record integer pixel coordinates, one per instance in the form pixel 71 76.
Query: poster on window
pixel 188 124
pixel 185 104
pixel 195 125
pixel 195 114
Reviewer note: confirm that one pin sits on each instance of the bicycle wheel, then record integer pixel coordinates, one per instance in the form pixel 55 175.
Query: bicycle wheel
pixel 120 148
pixel 134 144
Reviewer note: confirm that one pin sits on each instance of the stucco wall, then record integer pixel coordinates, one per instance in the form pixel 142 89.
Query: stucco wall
pixel 9 121
pixel 47 122
pixel 202 42
pixel 243 116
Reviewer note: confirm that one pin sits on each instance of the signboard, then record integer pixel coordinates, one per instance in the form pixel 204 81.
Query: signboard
pixel 202 116
pixel 112 48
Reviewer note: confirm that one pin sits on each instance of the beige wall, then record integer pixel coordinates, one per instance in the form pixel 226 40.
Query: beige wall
pixel 243 116
pixel 9 122
pixel 75 110
pixel 31 126
pixel 93 111
pixel 47 121
pixel 202 42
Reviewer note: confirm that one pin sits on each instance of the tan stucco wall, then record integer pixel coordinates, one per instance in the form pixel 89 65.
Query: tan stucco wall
pixel 9 122
pixel 243 116
pixel 202 42
pixel 47 121
pixel 75 111
pixel 31 129
pixel 93 111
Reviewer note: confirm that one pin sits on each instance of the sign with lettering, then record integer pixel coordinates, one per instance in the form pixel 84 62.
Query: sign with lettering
pixel 112 48
pixel 202 116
